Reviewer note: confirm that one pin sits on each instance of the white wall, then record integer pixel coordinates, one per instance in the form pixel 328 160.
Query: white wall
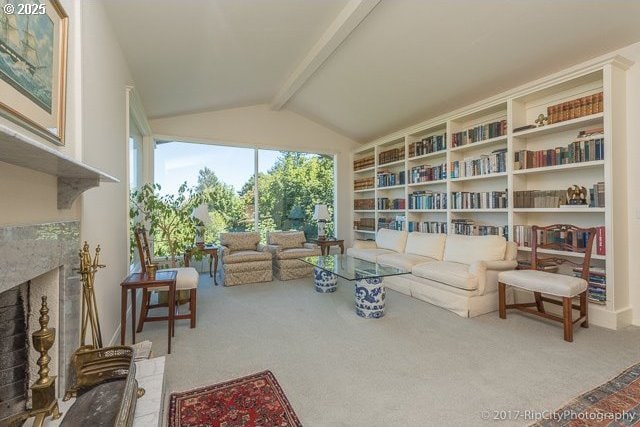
pixel 26 196
pixel 104 136
pixel 633 185
pixel 259 126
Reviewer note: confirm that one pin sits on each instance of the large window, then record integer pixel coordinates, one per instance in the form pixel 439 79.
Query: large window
pixel 289 185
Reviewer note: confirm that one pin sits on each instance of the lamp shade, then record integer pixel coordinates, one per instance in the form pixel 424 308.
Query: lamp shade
pixel 321 213
pixel 201 213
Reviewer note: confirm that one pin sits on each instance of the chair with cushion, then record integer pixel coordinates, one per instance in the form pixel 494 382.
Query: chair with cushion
pixel 542 283
pixel 287 247
pixel 186 283
pixel 244 259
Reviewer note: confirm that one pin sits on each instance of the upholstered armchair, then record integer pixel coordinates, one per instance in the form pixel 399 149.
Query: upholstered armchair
pixel 244 259
pixel 286 247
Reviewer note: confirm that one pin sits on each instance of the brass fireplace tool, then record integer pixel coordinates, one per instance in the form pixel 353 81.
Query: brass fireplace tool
pixel 43 391
pixel 88 269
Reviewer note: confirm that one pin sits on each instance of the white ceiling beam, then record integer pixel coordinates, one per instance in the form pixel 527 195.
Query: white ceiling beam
pixel 347 20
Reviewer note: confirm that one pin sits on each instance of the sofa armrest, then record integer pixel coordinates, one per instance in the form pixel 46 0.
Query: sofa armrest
pixel 310 246
pixel 274 249
pixel 365 244
pixel 225 250
pixel 503 265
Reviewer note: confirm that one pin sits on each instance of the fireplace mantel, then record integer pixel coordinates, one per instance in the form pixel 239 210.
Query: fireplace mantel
pixel 74 177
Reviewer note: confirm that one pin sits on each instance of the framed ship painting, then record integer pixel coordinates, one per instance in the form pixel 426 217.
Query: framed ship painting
pixel 33 64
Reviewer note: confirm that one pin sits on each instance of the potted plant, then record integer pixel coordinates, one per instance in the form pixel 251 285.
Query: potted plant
pixel 169 217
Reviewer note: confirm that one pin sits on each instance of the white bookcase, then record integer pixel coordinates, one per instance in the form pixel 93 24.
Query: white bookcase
pixel 521 107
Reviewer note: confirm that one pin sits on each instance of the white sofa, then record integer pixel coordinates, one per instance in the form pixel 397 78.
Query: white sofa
pixel 459 273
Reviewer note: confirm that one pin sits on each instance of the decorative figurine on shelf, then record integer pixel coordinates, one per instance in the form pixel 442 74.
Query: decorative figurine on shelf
pixel 542 120
pixel 577 196
pixel 88 269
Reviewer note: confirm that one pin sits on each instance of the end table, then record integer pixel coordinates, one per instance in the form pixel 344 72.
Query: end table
pixel 212 251
pixel 136 281
pixel 326 244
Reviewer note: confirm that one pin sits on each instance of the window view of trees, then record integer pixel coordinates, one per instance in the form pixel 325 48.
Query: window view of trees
pixel 289 186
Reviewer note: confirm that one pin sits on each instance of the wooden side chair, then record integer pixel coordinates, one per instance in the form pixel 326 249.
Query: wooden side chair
pixel 186 280
pixel 564 238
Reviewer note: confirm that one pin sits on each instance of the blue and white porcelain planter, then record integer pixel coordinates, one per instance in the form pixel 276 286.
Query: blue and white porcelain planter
pixel 325 281
pixel 370 297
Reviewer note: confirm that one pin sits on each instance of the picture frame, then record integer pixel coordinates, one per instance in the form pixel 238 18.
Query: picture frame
pixel 33 66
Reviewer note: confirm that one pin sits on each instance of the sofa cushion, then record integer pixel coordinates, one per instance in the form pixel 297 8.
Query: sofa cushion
pixel 391 239
pixel 239 241
pixel 287 239
pixel 367 254
pixel 246 256
pixel 293 253
pixel 560 285
pixel 405 261
pixel 469 249
pixel 426 244
pixel 449 273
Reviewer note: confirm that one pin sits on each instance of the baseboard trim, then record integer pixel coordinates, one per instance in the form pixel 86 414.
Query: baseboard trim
pixel 598 315
pixel 115 339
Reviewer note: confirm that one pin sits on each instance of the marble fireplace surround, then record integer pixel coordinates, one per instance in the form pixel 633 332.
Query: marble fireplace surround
pixel 29 251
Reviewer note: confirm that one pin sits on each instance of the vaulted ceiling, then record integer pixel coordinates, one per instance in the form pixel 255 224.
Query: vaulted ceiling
pixel 362 67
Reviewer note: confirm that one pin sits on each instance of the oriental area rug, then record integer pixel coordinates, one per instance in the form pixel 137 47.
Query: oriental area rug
pixel 614 403
pixel 251 401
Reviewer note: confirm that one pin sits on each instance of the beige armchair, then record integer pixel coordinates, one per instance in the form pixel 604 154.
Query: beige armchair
pixel 244 259
pixel 286 247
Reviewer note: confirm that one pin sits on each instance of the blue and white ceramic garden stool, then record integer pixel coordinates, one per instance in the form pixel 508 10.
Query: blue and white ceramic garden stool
pixel 370 297
pixel 325 280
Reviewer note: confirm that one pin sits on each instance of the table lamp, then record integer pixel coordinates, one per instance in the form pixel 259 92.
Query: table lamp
pixel 321 215
pixel 202 218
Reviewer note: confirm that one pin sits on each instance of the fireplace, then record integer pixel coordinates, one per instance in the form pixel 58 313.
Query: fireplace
pixel 38 260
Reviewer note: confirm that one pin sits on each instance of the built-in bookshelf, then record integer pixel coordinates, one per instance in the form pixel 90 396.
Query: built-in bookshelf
pixel 505 164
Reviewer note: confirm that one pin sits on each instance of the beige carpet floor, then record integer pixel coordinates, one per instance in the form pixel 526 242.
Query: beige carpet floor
pixel 418 366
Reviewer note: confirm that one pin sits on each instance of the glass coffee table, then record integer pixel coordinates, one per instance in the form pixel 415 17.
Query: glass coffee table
pixel 369 293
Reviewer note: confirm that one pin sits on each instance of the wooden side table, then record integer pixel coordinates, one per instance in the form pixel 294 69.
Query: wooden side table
pixel 212 251
pixel 137 281
pixel 326 244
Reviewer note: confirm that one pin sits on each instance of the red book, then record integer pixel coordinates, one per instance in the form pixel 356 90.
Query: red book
pixel 600 238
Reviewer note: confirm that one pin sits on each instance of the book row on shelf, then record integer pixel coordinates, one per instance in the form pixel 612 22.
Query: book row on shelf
pixel 428 145
pixel 438 227
pixel 479 133
pixel 468 227
pixel 576 152
pixel 363 183
pixel 578 240
pixel 384 203
pixel 396 223
pixel 387 178
pixel 392 155
pixel 479 200
pixel 364 204
pixel 556 198
pixel 576 108
pixel 364 163
pixel 484 164
pixel 426 173
pixel 597 288
pixel 364 224
pixel 539 198
pixel 427 200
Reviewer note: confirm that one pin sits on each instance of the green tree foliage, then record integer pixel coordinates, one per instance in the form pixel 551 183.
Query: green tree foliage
pixel 168 216
pixel 222 200
pixel 296 179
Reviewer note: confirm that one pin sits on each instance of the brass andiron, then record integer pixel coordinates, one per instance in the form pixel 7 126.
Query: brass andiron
pixel 43 391
pixel 88 269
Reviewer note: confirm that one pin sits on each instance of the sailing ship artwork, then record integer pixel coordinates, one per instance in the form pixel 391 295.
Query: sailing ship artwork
pixel 26 55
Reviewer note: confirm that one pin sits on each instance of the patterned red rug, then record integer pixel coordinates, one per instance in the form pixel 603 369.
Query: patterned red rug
pixel 614 403
pixel 251 401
